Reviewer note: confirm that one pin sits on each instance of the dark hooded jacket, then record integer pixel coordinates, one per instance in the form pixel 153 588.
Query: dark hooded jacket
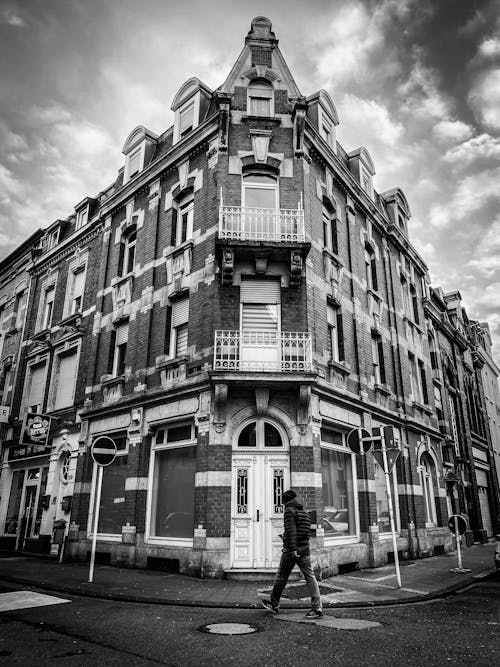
pixel 297 526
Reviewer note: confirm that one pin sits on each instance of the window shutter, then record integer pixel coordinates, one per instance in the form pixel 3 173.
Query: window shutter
pixel 260 291
pixel 259 317
pixel 180 312
pixel 37 386
pixel 78 284
pixel 331 315
pixel 122 334
pixel 173 230
pixel 65 381
pixel 340 335
pixel 182 339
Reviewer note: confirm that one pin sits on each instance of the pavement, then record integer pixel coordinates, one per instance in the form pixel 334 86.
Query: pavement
pixel 424 579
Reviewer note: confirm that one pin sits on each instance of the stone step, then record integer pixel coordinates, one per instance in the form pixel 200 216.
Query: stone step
pixel 256 574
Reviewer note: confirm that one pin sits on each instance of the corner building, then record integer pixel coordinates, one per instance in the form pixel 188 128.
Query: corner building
pixel 257 300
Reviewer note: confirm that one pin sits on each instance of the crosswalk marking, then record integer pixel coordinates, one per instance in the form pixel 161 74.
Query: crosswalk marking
pixel 27 599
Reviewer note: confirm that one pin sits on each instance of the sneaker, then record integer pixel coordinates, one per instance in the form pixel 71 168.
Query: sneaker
pixel 268 606
pixel 314 613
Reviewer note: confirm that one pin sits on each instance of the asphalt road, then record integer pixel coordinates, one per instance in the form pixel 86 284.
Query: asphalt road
pixel 463 629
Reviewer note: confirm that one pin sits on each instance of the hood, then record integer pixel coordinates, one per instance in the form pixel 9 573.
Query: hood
pixel 295 504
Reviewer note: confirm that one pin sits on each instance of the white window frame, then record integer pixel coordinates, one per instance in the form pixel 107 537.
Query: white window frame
pixel 174 333
pixel 52 239
pixel 82 217
pixel 28 383
pixel 186 207
pixel 70 306
pixel 150 507
pixel 347 539
pixel 44 317
pixel 54 380
pixel 140 152
pixel 333 332
pixel 376 360
pixel 260 86
pixel 427 483
pixel 366 180
pixel 129 242
pixel 108 537
pixel 324 120
pixel 118 351
pixel 21 308
pixel 193 100
pixel 247 183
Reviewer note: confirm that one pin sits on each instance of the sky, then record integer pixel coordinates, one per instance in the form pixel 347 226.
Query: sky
pixel 417 82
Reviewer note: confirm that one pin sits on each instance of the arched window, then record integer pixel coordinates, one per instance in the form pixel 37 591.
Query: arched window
pixel 429 487
pixel 260 435
pixel 260 191
pixel 64 465
pixel 260 98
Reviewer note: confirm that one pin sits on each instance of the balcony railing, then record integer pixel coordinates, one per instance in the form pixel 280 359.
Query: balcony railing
pixel 263 351
pixel 261 224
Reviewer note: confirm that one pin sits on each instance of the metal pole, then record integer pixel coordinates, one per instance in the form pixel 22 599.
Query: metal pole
pixel 459 539
pixel 391 513
pixel 96 520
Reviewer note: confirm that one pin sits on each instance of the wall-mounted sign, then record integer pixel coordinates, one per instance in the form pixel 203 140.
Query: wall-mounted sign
pixel 4 414
pixel 17 452
pixel 35 429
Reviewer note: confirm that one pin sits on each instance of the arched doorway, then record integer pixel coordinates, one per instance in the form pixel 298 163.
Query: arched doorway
pixel 260 474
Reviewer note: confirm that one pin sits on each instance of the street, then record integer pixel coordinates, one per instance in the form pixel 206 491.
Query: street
pixel 461 629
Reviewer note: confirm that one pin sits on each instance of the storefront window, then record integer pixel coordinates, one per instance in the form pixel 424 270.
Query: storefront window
pixel 174 468
pixel 16 492
pixel 339 518
pixel 112 505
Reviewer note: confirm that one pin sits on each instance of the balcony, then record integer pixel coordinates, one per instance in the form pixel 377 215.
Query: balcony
pixel 238 223
pixel 263 351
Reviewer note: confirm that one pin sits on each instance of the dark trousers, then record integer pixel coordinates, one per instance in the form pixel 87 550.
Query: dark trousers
pixel 287 563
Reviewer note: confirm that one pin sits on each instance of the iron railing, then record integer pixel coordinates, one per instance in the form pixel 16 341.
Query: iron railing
pixel 261 224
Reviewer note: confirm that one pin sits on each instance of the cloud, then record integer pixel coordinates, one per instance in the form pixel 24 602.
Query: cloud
pixel 483 147
pixel 421 95
pixel 9 16
pixel 484 98
pixel 486 254
pixel 452 130
pixel 490 47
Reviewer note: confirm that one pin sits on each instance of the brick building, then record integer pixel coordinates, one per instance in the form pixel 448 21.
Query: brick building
pixel 252 300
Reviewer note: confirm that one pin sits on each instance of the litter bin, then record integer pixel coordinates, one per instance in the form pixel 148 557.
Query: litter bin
pixel 58 531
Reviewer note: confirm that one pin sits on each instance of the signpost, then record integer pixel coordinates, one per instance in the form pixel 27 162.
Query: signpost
pixel 360 442
pixel 103 452
pixel 458 525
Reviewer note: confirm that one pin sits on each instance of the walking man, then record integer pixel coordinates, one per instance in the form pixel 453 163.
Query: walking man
pixel 295 551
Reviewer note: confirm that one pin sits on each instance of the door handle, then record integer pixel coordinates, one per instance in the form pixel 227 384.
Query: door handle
pixel 258 515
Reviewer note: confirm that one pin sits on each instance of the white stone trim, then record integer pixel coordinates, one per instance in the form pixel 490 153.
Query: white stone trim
pixel 213 478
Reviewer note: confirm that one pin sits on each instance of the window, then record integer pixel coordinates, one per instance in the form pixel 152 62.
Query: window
pixel 112 505
pixel 134 163
pixel 439 409
pixel 47 306
pixel 429 487
pixel 52 239
pixel 366 181
pixel 179 327
pixel 378 360
pixel 119 340
pixel 260 191
pixel 260 99
pixel 335 339
pixel 184 227
pixel 35 386
pixel 7 381
pixel 127 253
pixel 371 270
pixel 260 434
pixel 64 375
pixel 423 382
pixel 14 506
pixel 382 503
pixel 75 289
pixel 339 483
pixel 64 466
pixel 326 131
pixel 415 384
pixel 173 463
pixel 453 422
pixel 414 302
pixel 82 217
pixel 3 317
pixel 330 240
pixel 186 119
pixel 21 300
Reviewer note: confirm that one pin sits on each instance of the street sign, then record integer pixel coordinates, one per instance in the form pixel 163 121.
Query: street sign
pixel 457 522
pixel 103 450
pixel 359 440
pixel 4 414
pixel 391 454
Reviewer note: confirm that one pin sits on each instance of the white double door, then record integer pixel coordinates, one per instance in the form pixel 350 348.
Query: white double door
pixel 259 480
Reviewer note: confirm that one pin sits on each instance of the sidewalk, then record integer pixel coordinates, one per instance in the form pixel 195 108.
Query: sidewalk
pixel 421 580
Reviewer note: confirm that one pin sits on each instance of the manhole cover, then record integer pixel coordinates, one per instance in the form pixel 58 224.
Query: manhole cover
pixel 229 628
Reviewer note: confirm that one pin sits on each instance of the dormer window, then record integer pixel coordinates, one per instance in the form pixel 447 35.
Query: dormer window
pixel 260 99
pixel 366 180
pixel 190 106
pixel 134 163
pixel 326 131
pixel 138 149
pixel 82 217
pixel 323 115
pixel 362 168
pixel 52 239
pixel 186 119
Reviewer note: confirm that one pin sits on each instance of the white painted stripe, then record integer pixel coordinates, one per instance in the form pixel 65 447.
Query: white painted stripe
pixel 26 600
pixel 213 478
pixel 311 479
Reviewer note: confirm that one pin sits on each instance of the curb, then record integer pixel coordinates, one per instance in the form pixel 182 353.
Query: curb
pixel 123 597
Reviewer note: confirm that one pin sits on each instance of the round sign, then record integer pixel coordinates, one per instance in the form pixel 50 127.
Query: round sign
pixel 355 441
pixel 460 522
pixel 103 450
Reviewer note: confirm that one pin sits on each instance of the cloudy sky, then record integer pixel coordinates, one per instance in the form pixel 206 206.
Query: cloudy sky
pixel 415 81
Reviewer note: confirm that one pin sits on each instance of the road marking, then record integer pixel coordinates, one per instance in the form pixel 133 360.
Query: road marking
pixel 27 599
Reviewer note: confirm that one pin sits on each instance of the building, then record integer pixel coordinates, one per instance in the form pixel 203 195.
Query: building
pixel 40 457
pixel 249 300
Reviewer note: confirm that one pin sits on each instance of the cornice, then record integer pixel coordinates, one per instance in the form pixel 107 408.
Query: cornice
pixel 65 249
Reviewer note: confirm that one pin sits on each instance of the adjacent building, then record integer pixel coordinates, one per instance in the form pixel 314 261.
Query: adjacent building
pixel 228 311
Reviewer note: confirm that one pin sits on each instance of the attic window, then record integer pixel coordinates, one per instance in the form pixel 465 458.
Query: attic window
pixel 82 217
pixel 186 119
pixel 260 95
pixel 366 181
pixel 134 163
pixel 52 239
